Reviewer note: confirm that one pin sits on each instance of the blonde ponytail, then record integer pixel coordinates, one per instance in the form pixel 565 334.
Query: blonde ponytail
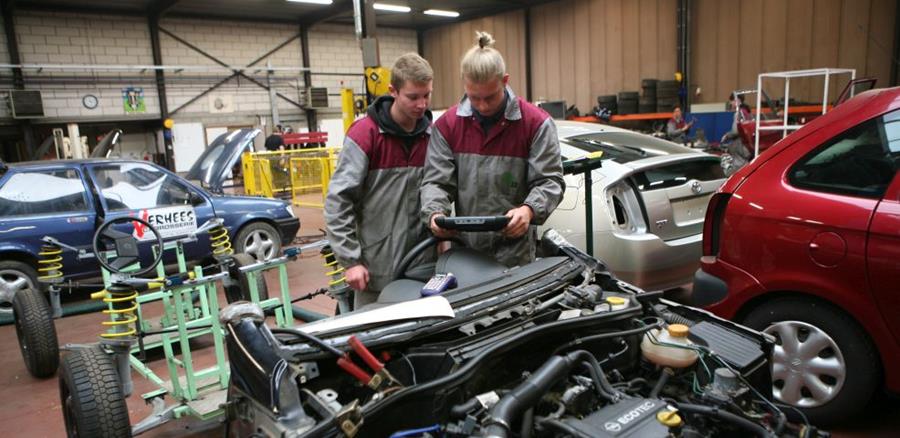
pixel 483 62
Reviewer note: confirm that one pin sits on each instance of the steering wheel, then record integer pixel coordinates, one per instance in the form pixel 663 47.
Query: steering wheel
pixel 125 245
pixel 458 223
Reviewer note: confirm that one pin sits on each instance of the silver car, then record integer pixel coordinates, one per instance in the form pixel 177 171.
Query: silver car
pixel 649 202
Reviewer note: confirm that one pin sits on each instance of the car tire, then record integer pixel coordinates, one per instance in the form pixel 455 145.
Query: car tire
pixel 240 290
pixel 258 239
pixel 36 333
pixel 14 276
pixel 848 364
pixel 90 394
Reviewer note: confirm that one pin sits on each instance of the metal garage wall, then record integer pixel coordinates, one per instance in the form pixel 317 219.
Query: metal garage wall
pixel 735 40
pixel 444 46
pixel 585 48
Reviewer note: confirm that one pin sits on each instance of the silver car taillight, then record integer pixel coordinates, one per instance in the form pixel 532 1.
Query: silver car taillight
pixel 624 209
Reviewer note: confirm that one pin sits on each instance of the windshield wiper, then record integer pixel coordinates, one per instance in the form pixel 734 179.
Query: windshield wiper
pixel 640 151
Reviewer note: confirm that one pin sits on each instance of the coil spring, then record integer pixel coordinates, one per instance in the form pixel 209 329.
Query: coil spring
pixel 50 263
pixel 220 242
pixel 337 271
pixel 123 306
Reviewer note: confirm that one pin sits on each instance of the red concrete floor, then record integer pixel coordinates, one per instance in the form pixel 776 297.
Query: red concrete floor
pixel 31 406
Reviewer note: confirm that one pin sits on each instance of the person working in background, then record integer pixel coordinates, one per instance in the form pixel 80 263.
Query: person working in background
pixel 677 128
pixel 274 141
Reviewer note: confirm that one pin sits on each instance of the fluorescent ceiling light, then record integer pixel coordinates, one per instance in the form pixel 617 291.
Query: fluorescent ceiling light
pixel 441 13
pixel 315 2
pixel 391 8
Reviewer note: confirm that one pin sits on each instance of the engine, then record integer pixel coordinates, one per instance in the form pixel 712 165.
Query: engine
pixel 557 357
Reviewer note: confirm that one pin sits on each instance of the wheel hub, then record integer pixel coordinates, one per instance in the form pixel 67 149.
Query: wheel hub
pixel 259 245
pixel 808 369
pixel 11 281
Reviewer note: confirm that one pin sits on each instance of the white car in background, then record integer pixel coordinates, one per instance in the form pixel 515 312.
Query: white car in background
pixel 649 202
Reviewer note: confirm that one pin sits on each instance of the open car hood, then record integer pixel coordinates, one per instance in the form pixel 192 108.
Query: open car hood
pixel 106 145
pixel 213 166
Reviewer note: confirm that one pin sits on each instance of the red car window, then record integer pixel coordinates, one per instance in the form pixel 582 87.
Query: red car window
pixel 857 162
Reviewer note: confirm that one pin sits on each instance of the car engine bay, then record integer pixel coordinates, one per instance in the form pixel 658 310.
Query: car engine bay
pixel 559 349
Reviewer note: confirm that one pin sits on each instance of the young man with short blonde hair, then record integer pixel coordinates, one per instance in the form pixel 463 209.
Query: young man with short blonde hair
pixel 372 205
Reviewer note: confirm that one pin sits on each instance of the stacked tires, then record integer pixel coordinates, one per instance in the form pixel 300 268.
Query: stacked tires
pixel 666 95
pixel 647 103
pixel 628 102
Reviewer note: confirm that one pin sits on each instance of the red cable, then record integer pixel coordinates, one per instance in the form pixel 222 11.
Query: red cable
pixel 365 354
pixel 355 371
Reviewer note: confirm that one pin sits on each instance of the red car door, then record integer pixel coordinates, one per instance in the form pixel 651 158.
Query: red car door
pixel 803 219
pixel 883 249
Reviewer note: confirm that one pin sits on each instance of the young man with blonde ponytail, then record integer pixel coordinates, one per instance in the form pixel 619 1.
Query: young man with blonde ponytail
pixel 372 206
pixel 493 154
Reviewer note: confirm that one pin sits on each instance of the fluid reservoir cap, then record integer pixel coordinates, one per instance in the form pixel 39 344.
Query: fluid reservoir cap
pixel 678 330
pixel 616 301
pixel 669 418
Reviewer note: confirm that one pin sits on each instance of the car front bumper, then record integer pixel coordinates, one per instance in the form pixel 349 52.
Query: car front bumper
pixel 287 228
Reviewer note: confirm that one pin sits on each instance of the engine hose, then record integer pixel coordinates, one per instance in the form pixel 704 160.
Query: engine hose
pixel 306 315
pixel 504 413
pixel 416 432
pixel 663 378
pixel 562 427
pixel 460 410
pixel 725 416
pixel 674 318
pixel 602 391
pixel 527 424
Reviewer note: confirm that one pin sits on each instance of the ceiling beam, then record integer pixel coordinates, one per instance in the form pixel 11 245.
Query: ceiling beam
pixel 159 8
pixel 83 8
pixel 337 9
pixel 133 12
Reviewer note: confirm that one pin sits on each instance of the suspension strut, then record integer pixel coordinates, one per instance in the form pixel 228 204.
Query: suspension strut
pixel 121 328
pixel 220 242
pixel 337 283
pixel 50 273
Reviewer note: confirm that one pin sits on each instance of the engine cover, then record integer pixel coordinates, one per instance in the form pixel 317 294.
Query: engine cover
pixel 628 418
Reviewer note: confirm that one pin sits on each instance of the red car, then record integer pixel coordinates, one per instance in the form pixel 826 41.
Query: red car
pixel 804 244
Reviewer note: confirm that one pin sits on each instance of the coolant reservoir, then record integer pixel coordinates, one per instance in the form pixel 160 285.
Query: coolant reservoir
pixel 669 349
pixel 617 303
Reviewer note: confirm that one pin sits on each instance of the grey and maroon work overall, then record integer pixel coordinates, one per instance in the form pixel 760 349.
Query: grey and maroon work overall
pixel 372 206
pixel 517 162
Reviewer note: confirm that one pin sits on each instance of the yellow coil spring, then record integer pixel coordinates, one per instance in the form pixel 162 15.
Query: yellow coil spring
pixel 220 242
pixel 335 274
pixel 50 263
pixel 122 319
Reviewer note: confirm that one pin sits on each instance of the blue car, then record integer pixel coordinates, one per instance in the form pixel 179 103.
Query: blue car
pixel 68 200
